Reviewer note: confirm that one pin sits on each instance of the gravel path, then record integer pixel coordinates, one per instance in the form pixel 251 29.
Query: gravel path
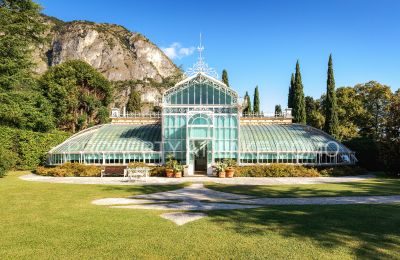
pixel 198 198
pixel 163 181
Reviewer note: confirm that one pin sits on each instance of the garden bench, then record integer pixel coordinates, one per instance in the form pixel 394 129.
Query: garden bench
pixel 137 173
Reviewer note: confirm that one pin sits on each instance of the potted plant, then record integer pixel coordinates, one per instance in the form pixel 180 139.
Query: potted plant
pixel 220 166
pixel 230 167
pixel 178 170
pixel 170 165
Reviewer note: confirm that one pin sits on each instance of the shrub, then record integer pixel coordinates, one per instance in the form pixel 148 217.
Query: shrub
pixel 70 170
pixel 158 171
pixel 342 171
pixel 276 170
pixel 7 161
pixel 29 148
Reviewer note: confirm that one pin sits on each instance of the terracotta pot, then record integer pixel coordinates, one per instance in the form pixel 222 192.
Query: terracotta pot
pixel 230 172
pixel 169 173
pixel 178 174
pixel 221 174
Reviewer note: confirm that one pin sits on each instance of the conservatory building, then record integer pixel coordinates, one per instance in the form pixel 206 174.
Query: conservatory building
pixel 200 123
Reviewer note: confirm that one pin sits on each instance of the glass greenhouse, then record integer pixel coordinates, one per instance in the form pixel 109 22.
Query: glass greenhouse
pixel 200 124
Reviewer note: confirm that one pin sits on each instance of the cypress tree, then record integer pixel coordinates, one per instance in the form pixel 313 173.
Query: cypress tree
pixel 225 77
pixel 299 105
pixel 278 110
pixel 247 109
pixel 331 117
pixel 291 89
pixel 134 102
pixel 256 102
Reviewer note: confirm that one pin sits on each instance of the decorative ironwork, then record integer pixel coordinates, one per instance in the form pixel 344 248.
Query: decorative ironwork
pixel 201 66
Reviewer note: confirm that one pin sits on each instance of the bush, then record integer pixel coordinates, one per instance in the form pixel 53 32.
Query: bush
pixel 7 161
pixel 276 170
pixel 367 152
pixel 158 171
pixel 342 171
pixel 28 148
pixel 70 170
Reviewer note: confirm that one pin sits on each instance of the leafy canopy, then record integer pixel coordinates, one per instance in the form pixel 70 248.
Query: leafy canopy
pixel 79 93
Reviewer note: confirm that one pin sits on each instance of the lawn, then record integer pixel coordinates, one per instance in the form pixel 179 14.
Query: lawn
pixel 44 220
pixel 376 186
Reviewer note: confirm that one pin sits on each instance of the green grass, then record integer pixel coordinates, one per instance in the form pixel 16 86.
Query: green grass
pixel 376 186
pixel 44 220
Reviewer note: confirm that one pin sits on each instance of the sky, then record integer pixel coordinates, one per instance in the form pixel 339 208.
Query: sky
pixel 258 42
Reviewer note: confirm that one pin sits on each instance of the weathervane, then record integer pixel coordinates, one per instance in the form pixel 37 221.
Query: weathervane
pixel 201 66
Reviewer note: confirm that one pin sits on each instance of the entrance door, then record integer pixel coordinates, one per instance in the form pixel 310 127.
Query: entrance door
pixel 200 158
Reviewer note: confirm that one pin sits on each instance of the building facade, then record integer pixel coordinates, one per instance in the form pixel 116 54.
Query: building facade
pixel 201 123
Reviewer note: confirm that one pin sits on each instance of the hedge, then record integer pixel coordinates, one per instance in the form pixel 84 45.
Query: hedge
pixel 286 170
pixel 70 170
pixel 27 148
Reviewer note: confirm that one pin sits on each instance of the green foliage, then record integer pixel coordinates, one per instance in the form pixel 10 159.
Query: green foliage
pixel 331 117
pixel 349 109
pixel 79 94
pixel 276 170
pixel 134 102
pixel 21 28
pixel 225 77
pixel 230 162
pixel 291 91
pixel 256 102
pixel 278 110
pixel 314 116
pixel 247 109
pixel 220 166
pixel 390 147
pixel 7 161
pixel 29 148
pixel 342 171
pixel 375 99
pixel 367 152
pixel 26 110
pixel 70 170
pixel 299 106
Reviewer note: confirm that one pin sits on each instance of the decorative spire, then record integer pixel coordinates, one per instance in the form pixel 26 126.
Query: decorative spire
pixel 201 66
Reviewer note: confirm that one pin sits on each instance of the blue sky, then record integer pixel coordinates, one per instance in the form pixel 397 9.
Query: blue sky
pixel 258 42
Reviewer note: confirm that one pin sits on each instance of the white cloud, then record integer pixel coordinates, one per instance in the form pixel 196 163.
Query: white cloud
pixel 176 51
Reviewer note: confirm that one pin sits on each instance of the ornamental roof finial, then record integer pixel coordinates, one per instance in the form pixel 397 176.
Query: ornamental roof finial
pixel 201 65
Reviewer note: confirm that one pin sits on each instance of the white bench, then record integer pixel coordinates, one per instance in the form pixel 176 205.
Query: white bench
pixel 137 174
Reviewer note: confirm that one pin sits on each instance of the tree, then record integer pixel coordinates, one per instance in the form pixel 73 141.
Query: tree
pixel 20 29
pixel 79 93
pixel 313 110
pixel 299 106
pixel 26 110
pixel 134 102
pixel 390 148
pixel 247 104
pixel 225 77
pixel 291 92
pixel 349 110
pixel 256 102
pixel 331 118
pixel 278 110
pixel 375 98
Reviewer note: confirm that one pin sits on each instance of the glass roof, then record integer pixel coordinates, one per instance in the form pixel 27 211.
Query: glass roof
pixel 286 138
pixel 147 138
pixel 111 137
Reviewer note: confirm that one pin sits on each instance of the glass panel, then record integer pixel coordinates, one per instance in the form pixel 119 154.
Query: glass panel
pixel 198 94
pixel 185 96
pixel 191 95
pixel 204 94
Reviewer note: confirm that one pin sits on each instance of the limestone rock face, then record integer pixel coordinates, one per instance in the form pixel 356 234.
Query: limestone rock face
pixel 120 55
pixel 114 51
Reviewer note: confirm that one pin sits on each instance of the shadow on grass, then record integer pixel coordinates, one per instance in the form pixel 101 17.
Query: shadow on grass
pixel 142 189
pixel 362 188
pixel 371 231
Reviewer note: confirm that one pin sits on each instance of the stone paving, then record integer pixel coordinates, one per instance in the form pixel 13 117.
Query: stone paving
pixel 165 181
pixel 198 198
